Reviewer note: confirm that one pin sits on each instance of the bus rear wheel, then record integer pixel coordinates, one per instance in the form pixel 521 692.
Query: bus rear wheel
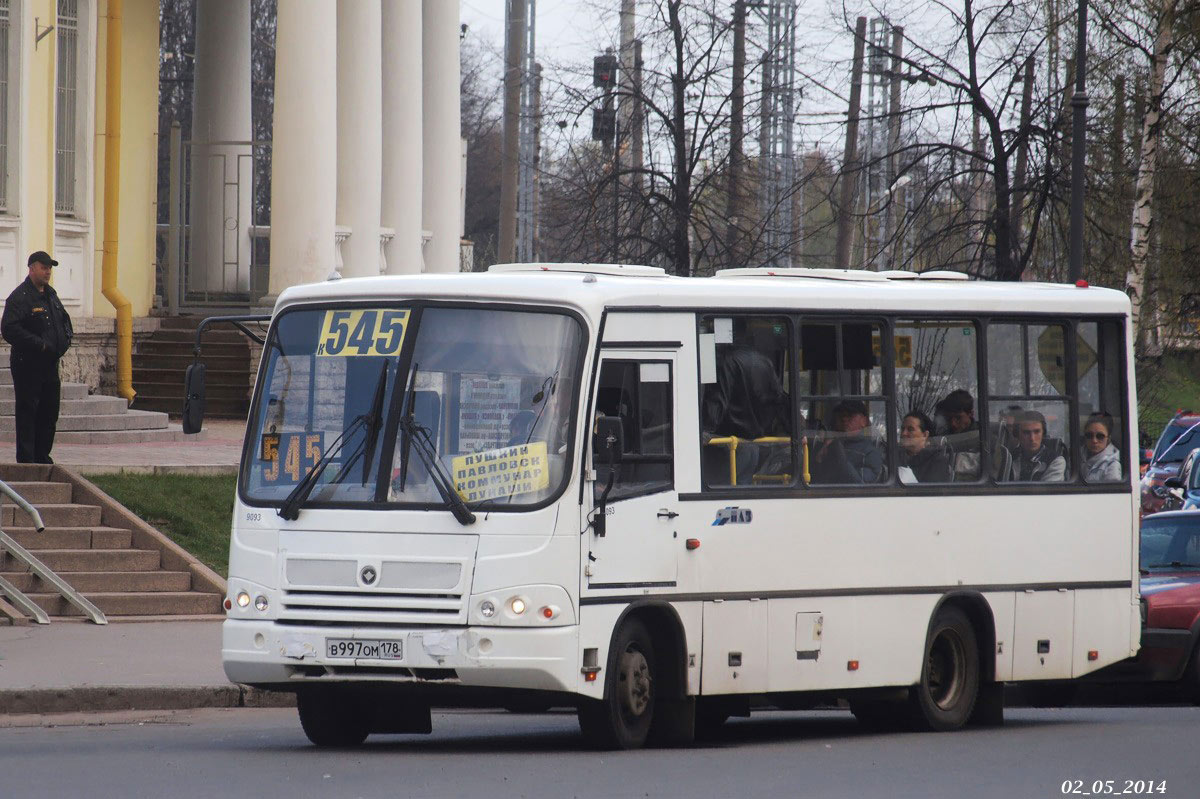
pixel 622 719
pixel 331 718
pixel 949 685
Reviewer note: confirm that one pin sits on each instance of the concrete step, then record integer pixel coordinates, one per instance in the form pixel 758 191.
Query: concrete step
pixel 53 515
pixel 29 472
pixel 222 334
pixel 86 406
pixel 39 493
pixel 128 420
pixel 71 537
pixel 223 349
pixel 213 408
pixel 174 388
pixel 171 433
pixel 190 603
pixel 70 391
pixel 89 560
pixel 104 582
pixel 181 361
pixel 212 377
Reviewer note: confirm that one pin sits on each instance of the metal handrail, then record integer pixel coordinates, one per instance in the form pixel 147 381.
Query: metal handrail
pixel 40 569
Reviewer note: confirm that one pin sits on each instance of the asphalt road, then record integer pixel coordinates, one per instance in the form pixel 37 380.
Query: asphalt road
pixel 263 754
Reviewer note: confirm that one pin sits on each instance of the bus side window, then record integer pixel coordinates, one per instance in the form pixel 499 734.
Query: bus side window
pixel 639 393
pixel 1098 352
pixel 746 418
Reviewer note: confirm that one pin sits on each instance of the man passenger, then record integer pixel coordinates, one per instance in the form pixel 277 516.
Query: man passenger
pixel 961 430
pixel 1037 460
pixel 851 457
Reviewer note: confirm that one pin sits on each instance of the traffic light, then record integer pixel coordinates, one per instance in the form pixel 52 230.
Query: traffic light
pixel 604 71
pixel 604 124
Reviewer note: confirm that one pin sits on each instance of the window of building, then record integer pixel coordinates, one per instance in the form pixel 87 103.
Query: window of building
pixel 746 410
pixel 66 136
pixel 937 384
pixel 639 394
pixel 841 397
pixel 1029 402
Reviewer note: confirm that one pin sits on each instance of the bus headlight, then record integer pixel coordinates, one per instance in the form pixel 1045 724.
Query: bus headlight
pixel 523 606
pixel 243 599
pixel 260 603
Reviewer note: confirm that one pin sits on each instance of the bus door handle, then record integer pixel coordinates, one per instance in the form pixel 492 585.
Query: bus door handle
pixel 663 513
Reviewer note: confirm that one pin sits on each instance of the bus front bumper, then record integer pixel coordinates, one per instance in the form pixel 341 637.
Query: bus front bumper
pixel 269 654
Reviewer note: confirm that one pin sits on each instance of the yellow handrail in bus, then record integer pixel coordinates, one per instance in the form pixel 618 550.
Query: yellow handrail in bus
pixel 733 441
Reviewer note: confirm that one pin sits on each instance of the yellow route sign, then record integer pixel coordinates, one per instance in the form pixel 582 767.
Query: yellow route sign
pixel 362 331
pixel 505 472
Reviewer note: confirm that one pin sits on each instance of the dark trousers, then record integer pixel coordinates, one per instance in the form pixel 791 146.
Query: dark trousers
pixel 37 389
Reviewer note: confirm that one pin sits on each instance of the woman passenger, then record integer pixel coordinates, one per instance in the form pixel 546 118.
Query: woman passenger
pixel 1101 460
pixel 928 463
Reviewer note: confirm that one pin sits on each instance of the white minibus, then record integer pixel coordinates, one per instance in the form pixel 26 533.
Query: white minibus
pixel 666 501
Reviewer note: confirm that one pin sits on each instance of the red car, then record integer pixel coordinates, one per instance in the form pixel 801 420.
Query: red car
pixel 1179 437
pixel 1170 588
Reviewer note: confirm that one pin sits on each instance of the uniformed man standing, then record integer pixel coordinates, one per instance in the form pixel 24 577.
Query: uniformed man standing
pixel 39 330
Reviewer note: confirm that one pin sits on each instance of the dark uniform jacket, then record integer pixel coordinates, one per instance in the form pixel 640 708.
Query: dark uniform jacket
pixel 36 324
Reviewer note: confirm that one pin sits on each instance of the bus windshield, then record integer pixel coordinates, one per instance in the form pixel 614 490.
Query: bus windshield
pixel 479 399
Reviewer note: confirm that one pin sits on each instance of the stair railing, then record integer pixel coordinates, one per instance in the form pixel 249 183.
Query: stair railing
pixel 40 569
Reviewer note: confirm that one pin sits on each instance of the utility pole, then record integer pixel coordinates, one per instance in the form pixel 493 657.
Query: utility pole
pixel 514 46
pixel 734 212
pixel 1079 104
pixel 529 140
pixel 777 145
pixel 895 201
pixel 849 172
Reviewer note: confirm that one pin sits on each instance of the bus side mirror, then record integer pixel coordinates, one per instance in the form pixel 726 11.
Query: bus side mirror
pixel 608 441
pixel 193 398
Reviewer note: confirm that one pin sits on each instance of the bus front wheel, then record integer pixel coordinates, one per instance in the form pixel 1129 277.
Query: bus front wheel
pixel 622 719
pixel 949 685
pixel 331 719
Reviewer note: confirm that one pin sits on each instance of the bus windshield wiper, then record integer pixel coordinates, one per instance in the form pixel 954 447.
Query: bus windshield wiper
pixel 417 438
pixel 290 509
pixel 1175 564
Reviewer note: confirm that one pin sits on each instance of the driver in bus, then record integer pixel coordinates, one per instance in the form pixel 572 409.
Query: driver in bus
pixel 853 456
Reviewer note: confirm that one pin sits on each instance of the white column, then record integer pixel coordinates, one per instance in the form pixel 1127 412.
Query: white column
pixel 440 75
pixel 304 144
pixel 359 133
pixel 221 173
pixel 402 135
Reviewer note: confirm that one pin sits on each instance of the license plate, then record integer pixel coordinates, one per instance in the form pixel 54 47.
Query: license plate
pixel 364 648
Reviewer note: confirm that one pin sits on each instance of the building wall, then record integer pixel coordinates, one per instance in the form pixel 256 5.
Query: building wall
pixel 139 157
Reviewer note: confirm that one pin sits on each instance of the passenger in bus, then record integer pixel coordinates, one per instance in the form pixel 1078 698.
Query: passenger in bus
pixel 748 400
pixel 1040 457
pixel 1101 459
pixel 961 432
pixel 1006 430
pixel 924 459
pixel 853 456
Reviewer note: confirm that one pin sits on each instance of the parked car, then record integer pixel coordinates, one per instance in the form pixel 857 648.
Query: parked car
pixel 1182 492
pixel 1170 588
pixel 1179 437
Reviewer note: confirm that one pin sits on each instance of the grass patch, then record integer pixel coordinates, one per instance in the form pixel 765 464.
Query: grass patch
pixel 1165 385
pixel 193 511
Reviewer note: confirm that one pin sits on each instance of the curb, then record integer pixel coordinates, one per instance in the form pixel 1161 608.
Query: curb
pixel 139 697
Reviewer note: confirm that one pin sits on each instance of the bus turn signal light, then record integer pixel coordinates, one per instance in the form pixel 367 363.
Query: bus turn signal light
pixel 1093 654
pixel 692 543
pixel 851 665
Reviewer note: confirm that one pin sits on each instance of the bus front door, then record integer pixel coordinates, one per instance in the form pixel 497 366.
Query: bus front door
pixel 637 547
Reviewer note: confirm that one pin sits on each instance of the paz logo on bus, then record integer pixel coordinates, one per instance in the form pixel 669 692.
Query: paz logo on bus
pixel 368 575
pixel 732 515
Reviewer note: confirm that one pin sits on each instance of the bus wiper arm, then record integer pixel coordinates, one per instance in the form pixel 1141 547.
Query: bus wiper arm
pixel 418 439
pixel 290 509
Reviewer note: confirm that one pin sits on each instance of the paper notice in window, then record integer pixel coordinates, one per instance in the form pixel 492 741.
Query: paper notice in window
pixel 501 473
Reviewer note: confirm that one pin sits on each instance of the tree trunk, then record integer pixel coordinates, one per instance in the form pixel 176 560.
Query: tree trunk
pixel 735 212
pixel 682 196
pixel 1143 204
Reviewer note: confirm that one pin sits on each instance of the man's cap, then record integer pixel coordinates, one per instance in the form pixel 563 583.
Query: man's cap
pixel 42 257
pixel 957 401
pixel 851 408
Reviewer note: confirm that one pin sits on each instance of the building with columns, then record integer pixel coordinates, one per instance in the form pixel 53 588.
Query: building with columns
pixel 366 169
